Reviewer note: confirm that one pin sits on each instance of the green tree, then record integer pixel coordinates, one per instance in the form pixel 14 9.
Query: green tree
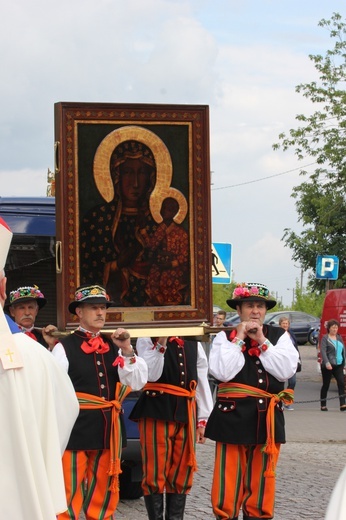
pixel 221 293
pixel 321 204
pixel 308 301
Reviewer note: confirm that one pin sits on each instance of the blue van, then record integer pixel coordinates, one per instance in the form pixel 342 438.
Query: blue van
pixel 31 260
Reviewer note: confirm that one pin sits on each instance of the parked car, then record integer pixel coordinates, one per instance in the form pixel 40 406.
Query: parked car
pixel 303 325
pixel 313 336
pixel 232 321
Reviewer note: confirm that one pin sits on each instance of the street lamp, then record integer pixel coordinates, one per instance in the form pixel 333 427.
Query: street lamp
pixel 293 294
pixel 301 275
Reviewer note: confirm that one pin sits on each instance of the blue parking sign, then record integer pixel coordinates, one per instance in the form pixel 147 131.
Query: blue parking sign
pixel 221 260
pixel 327 267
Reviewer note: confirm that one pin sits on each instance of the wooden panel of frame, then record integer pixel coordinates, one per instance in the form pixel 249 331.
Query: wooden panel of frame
pixel 133 210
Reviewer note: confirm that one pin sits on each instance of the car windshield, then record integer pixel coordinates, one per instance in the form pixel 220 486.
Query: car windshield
pixel 233 320
pixel 272 317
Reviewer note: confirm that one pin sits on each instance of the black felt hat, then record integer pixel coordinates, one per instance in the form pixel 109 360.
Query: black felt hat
pixel 89 294
pixel 245 292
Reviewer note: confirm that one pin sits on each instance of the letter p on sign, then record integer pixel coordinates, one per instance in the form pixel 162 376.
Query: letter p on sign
pixel 327 267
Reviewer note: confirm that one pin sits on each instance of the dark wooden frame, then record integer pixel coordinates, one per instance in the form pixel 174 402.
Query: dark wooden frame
pixel 184 130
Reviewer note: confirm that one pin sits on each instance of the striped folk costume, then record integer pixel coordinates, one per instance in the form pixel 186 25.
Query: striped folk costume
pixel 102 375
pixel 252 364
pixel 172 410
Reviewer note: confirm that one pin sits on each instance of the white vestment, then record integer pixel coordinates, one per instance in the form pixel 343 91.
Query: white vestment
pixel 337 505
pixel 38 408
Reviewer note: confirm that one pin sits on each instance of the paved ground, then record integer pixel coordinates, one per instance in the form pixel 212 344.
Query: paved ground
pixel 309 463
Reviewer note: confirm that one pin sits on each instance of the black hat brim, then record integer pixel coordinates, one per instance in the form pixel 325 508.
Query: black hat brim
pixel 41 302
pixel 234 302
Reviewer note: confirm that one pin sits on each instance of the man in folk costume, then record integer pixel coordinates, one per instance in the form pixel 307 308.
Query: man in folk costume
pixel 103 371
pixel 23 306
pixel 37 413
pixel 252 364
pixel 169 423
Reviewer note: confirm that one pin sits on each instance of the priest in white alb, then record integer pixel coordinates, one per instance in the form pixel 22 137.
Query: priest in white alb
pixel 38 408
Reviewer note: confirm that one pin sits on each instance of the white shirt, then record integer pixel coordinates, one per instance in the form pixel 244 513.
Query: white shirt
pixel 134 375
pixel 226 359
pixel 155 361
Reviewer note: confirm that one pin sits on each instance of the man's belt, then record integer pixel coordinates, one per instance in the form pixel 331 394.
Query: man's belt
pixel 191 411
pixel 93 402
pixel 238 391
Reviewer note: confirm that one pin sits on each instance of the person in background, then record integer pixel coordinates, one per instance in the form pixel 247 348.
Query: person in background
pixel 284 322
pixel 169 423
pixel 219 321
pixel 23 306
pixel 37 413
pixel 220 318
pixel 252 364
pixel 332 364
pixel 103 370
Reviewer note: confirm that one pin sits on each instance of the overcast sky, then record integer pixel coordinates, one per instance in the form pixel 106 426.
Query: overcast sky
pixel 243 58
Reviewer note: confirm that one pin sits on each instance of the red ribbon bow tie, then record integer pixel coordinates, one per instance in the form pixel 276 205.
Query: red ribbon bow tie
pixel 177 340
pixel 119 361
pixel 96 344
pixel 233 334
pixel 254 350
pixel 30 334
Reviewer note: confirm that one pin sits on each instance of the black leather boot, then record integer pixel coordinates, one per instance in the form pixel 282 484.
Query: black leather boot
pixel 245 517
pixel 154 505
pixel 175 506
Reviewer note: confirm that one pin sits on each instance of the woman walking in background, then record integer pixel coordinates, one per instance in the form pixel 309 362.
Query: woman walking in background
pixel 333 362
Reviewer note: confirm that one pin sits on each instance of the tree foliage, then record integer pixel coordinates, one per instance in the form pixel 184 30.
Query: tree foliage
pixel 221 293
pixel 320 200
pixel 308 301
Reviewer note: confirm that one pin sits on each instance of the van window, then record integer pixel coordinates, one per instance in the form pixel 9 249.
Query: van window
pixel 31 259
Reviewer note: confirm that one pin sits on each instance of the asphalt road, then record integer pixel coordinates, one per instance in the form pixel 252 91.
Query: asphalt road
pixel 309 464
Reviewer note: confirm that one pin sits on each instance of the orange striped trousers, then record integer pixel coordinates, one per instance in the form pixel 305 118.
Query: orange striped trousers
pixel 86 484
pixel 239 481
pixel 165 457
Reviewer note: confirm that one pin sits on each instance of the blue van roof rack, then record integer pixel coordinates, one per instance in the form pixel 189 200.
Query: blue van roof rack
pixel 29 215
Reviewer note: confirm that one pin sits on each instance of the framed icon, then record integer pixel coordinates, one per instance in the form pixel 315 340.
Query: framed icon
pixel 133 210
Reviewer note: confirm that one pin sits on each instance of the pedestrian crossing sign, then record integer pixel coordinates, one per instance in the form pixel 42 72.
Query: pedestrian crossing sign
pixel 221 256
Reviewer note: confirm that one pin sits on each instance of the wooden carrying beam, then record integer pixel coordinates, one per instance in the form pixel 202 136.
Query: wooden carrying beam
pixel 202 331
